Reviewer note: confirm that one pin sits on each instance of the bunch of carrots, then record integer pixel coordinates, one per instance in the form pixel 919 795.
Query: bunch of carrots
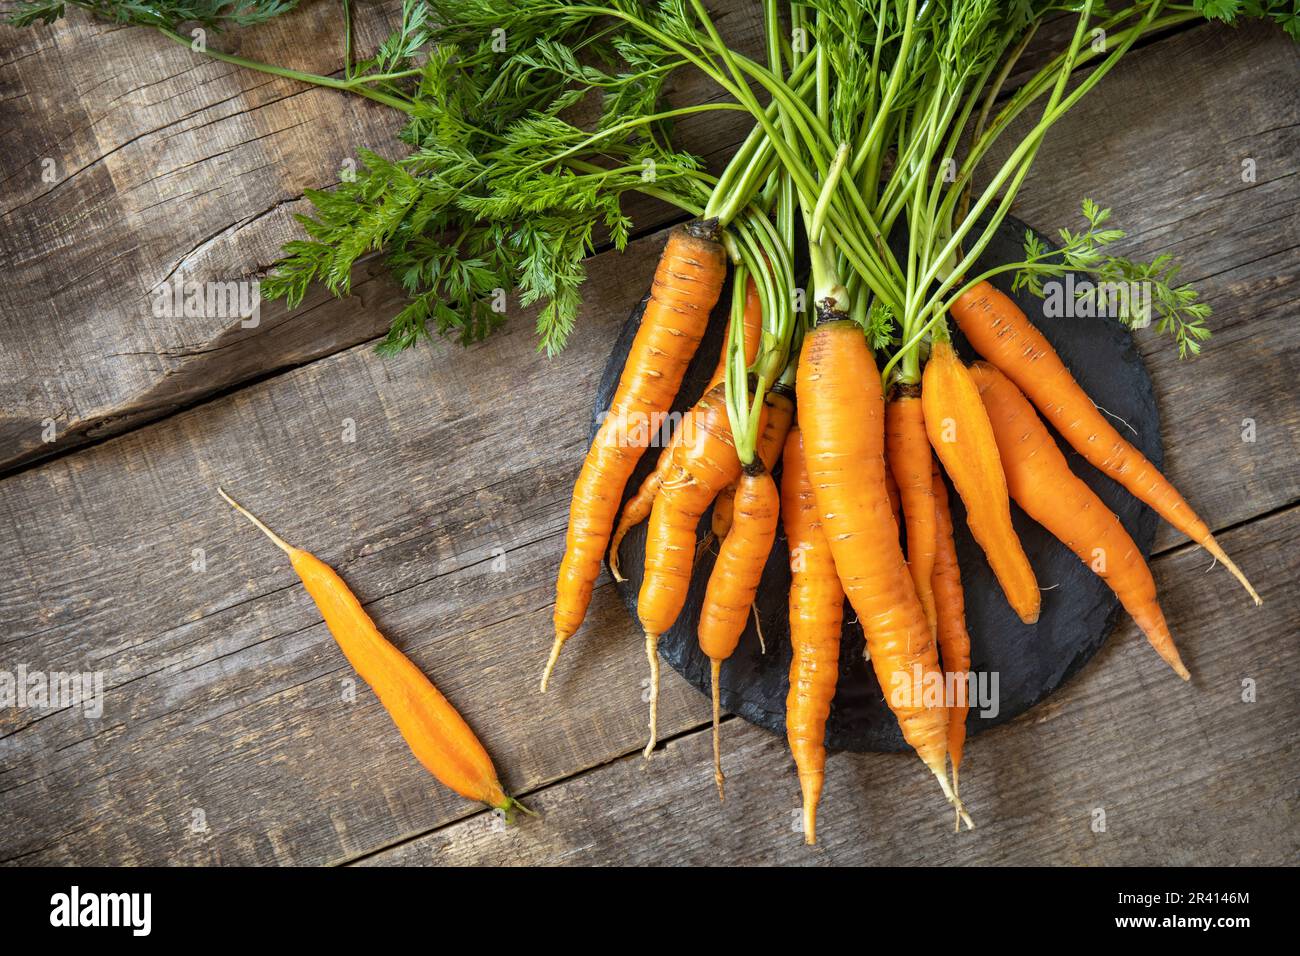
pixel 871 131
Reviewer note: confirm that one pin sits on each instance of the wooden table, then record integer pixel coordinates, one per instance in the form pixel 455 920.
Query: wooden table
pixel 230 733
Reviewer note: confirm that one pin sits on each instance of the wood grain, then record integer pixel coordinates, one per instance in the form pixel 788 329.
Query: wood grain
pixel 168 163
pixel 224 690
pixel 1185 775
pixel 446 515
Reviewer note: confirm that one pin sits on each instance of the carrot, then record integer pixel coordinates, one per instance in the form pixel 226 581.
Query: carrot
pixel 816 612
pixel 637 508
pixel 907 451
pixel 841 414
pixel 724 509
pixel 779 402
pixel 686 286
pixel 954 641
pixel 895 499
pixel 432 727
pixel 733 583
pixel 960 432
pixel 1042 483
pixel 703 464
pixel 1000 332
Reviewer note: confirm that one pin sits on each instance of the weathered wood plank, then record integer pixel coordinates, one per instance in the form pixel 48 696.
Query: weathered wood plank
pixel 163 162
pixel 226 679
pixel 1185 775
pixel 225 691
pixel 168 164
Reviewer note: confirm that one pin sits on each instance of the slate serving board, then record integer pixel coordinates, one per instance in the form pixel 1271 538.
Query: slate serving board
pixel 1030 661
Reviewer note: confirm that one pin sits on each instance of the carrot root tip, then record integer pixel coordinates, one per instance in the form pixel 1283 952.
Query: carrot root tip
pixel 652 655
pixel 1221 556
pixel 810 788
pixel 550 662
pixel 715 668
pixel 962 815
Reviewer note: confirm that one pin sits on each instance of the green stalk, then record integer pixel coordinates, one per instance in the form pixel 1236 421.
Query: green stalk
pixel 349 85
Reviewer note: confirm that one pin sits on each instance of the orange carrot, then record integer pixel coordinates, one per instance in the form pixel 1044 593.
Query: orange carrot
pixel 954 641
pixel 733 583
pixel 638 506
pixel 723 512
pixel 1001 333
pixel 816 612
pixel 432 727
pixel 779 402
pixel 1051 494
pixel 960 432
pixel 686 286
pixel 841 414
pixel 703 464
pixel 907 450
pixel 895 499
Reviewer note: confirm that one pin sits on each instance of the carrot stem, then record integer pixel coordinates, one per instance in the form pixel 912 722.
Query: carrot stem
pixel 511 805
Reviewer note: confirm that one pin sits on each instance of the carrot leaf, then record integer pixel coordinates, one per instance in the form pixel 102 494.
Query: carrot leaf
pixel 1137 293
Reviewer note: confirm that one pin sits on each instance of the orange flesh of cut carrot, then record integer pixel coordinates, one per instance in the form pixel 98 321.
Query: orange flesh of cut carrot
pixel 431 726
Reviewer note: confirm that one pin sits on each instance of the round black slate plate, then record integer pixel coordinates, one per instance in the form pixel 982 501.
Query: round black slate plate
pixel 1030 661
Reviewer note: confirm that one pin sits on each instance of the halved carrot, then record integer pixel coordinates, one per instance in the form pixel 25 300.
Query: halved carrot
pixel 432 727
